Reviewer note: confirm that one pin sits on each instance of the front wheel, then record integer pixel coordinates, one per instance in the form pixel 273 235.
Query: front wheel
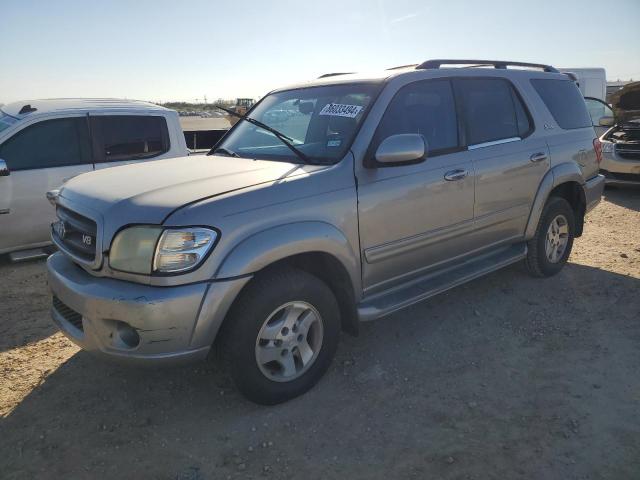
pixel 549 249
pixel 281 335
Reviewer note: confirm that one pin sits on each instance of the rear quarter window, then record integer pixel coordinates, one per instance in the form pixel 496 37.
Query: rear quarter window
pixel 564 101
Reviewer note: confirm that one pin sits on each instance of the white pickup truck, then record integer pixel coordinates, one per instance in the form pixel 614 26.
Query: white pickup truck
pixel 44 143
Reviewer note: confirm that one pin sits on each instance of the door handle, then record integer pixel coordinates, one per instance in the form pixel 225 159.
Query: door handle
pixel 457 174
pixel 538 157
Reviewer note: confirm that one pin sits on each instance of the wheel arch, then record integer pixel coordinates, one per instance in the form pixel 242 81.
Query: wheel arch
pixel 566 181
pixel 315 247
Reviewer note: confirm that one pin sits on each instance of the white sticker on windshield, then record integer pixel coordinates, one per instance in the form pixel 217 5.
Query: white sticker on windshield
pixel 340 110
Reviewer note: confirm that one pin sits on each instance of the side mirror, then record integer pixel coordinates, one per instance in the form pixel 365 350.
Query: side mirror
pixel 52 196
pixel 401 149
pixel 607 121
pixel 4 170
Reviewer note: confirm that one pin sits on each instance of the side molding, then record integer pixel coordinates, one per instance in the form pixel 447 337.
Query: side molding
pixel 277 243
pixel 563 173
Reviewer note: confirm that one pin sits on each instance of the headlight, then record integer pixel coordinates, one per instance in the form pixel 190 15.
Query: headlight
pixel 133 249
pixel 182 249
pixel 607 147
pixel 149 249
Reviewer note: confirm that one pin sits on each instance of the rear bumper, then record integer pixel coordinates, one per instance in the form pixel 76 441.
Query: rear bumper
pixel 168 325
pixel 593 189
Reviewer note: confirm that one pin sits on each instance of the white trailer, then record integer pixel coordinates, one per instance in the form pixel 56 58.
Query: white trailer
pixel 591 81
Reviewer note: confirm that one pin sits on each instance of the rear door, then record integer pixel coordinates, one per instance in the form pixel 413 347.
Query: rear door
pixel 123 139
pixel 40 157
pixel 508 157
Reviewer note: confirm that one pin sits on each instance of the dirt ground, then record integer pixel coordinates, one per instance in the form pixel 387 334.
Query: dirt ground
pixel 506 377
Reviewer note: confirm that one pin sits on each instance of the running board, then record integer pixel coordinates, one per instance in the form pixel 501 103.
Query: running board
pixel 421 288
pixel 25 255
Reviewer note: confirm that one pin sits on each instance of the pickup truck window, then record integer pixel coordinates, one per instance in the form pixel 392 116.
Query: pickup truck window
pixel 426 107
pixel 50 143
pixel 129 137
pixel 321 121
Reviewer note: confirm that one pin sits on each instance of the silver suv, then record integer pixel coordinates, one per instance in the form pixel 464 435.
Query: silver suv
pixel 372 193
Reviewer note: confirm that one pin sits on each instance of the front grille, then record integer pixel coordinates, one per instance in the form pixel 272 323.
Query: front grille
pixel 628 150
pixel 70 315
pixel 76 233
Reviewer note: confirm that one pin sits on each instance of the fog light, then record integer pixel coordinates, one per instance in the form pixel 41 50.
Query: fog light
pixel 127 336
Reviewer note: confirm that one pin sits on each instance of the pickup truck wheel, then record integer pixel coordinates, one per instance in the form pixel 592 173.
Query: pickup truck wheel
pixel 281 335
pixel 550 247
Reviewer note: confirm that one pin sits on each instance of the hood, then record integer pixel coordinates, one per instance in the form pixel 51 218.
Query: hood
pixel 147 192
pixel 626 103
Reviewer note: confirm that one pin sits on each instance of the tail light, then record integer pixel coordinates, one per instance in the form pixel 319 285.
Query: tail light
pixel 597 146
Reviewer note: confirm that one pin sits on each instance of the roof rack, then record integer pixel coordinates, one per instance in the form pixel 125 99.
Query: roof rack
pixel 334 74
pixel 399 67
pixel 502 64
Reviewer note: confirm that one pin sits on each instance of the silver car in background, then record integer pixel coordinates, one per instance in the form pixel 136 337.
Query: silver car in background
pixel 618 127
pixel 44 143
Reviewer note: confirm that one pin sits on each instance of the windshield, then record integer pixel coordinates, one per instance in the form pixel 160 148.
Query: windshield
pixel 6 120
pixel 320 121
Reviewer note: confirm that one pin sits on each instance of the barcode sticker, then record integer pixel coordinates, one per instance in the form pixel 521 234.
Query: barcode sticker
pixel 340 110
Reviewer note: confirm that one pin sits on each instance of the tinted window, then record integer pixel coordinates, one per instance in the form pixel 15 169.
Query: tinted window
pixel 425 107
pixel 51 143
pixel 564 101
pixel 127 137
pixel 492 110
pixel 522 117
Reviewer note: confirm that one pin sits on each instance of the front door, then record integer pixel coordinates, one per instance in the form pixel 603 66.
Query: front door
pixel 602 117
pixel 413 217
pixel 40 157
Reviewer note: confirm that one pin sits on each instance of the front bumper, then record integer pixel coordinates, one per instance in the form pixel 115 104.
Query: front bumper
pixel 593 189
pixel 136 323
pixel 619 170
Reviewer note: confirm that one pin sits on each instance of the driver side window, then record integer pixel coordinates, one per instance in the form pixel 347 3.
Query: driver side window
pixel 426 107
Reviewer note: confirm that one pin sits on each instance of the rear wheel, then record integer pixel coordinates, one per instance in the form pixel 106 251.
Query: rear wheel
pixel 281 335
pixel 549 249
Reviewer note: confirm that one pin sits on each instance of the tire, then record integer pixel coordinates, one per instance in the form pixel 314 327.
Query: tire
pixel 300 296
pixel 538 261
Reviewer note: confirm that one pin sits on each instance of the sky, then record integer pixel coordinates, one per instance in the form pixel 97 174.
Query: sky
pixel 161 50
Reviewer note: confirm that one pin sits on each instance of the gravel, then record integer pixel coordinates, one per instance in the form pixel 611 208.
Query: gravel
pixel 505 377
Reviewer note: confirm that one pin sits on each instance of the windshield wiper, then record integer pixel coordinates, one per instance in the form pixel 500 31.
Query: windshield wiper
pixel 225 151
pixel 288 141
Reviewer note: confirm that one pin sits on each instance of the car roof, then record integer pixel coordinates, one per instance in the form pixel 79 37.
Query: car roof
pixel 435 68
pixel 65 105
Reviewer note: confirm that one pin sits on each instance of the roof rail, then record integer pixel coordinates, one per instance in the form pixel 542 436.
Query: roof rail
pixel 399 67
pixel 334 74
pixel 429 64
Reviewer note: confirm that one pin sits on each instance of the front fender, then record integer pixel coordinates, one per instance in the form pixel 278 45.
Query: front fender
pixel 277 243
pixel 563 173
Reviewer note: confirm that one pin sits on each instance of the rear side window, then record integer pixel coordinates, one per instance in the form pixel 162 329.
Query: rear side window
pixel 47 144
pixel 564 101
pixel 426 107
pixel 492 110
pixel 130 137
